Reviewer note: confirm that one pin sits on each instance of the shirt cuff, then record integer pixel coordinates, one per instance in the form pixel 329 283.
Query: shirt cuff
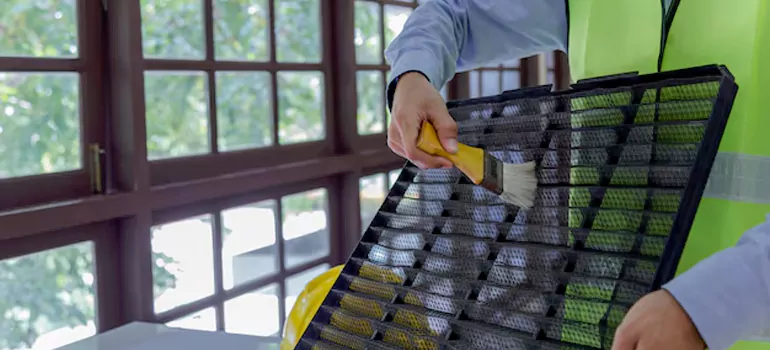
pixel 415 61
pixel 724 295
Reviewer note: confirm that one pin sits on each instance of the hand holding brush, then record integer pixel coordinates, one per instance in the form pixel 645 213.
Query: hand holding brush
pixel 514 183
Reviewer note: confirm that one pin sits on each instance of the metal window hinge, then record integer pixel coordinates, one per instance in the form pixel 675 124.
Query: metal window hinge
pixel 95 154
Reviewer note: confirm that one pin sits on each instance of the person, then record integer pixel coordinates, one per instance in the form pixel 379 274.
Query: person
pixel 722 292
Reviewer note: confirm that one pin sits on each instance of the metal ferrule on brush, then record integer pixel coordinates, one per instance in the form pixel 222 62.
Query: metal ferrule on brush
pixel 493 174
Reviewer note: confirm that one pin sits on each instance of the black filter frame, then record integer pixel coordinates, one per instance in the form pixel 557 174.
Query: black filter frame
pixel 438 233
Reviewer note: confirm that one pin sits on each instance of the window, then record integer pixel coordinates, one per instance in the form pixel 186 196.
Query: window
pixel 377 23
pixel 254 313
pixel 49 298
pixel 186 270
pixel 494 79
pixel 372 192
pixel 47 92
pixel 249 247
pixel 193 163
pixel 246 85
pixel 260 262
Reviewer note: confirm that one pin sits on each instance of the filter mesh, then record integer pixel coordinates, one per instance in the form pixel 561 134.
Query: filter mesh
pixel 446 264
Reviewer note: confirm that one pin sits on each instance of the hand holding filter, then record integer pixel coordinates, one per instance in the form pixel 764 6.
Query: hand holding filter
pixel 514 183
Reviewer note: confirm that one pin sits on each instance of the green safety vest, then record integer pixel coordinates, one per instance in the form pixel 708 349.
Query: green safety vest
pixel 609 37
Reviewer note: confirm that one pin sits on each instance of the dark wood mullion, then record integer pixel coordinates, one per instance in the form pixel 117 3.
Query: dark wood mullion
pixel 208 16
pixel 273 73
pixel 529 71
pixel 281 263
pixel 382 33
pixel 500 78
pixel 561 71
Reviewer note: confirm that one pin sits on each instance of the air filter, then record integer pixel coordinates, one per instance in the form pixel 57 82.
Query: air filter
pixel 622 164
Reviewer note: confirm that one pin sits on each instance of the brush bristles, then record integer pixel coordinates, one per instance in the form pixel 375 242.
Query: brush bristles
pixel 519 184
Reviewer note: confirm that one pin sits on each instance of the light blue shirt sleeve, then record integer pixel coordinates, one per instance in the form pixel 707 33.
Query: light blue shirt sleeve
pixel 727 295
pixel 443 37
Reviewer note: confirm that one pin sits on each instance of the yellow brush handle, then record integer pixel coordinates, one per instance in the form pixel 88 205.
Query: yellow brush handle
pixel 470 160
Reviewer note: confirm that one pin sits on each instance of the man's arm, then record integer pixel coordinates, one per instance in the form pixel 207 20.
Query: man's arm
pixel 442 37
pixel 727 295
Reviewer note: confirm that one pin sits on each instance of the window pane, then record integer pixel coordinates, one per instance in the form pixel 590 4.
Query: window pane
pixel 370 102
pixel 305 230
pixel 550 59
pixel 248 243
pixel 395 18
pixel 172 29
pixel 393 177
pixel 300 107
pixel 244 114
pixel 490 83
pixel 511 64
pixel 298 31
pixel 177 114
pixel 241 30
pixel 511 80
pixel 550 78
pixel 39 28
pixel 39 123
pixel 182 273
pixel 443 92
pixel 49 298
pixel 473 80
pixel 204 320
pixel 367 33
pixel 371 193
pixel 255 313
pixel 295 284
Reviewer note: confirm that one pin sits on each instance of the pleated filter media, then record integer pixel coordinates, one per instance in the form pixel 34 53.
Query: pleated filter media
pixel 622 164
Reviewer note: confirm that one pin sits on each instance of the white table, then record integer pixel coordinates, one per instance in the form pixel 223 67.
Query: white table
pixel 148 336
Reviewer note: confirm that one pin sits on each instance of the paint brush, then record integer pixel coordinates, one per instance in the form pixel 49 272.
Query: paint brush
pixel 514 183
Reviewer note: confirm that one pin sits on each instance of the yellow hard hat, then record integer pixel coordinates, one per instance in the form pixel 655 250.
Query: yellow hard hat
pixel 307 305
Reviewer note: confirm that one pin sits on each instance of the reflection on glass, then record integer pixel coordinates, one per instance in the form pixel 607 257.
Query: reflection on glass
pixel 39 28
pixel 300 107
pixel 204 320
pixel 367 33
pixel 39 123
pixel 305 228
pixel 254 313
pixel 177 114
pixel 183 263
pixel 550 59
pixel 371 193
pixel 511 80
pixel 241 30
pixel 550 78
pixel 473 81
pixel 48 298
pixel 511 64
pixel 172 29
pixel 490 83
pixel 393 177
pixel 395 18
pixel 370 102
pixel 248 243
pixel 298 31
pixel 244 113
pixel 295 284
